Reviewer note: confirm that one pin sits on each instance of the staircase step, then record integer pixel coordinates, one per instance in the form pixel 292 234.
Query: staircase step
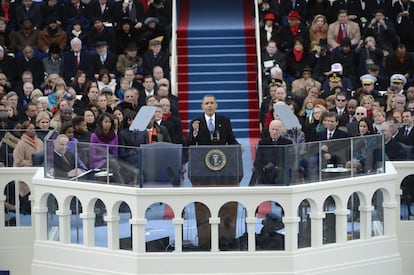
pixel 215 76
pixel 213 67
pixel 212 41
pixel 224 103
pixel 215 32
pixel 217 49
pixel 215 58
pixel 231 113
pixel 202 87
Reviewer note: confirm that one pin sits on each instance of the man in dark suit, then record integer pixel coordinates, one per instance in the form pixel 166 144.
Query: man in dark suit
pixel 28 9
pixel 28 62
pixel 211 128
pixel 393 149
pixel 406 132
pixel 64 163
pixel 103 59
pixel 405 135
pixel 76 59
pixel 270 159
pixel 155 57
pixel 103 9
pixel 330 121
pixel 148 90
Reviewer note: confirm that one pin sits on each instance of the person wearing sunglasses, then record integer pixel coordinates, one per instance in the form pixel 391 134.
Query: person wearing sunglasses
pixel 352 127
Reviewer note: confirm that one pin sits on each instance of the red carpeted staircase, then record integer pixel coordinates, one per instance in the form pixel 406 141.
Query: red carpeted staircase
pixel 217 55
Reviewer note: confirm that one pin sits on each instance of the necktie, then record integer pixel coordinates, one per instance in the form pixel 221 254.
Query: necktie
pixel 77 60
pixel 407 131
pixel 330 135
pixel 210 125
pixel 343 30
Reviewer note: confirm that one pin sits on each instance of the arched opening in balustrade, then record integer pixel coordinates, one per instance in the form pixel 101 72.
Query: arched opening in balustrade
pixel 407 198
pixel 232 227
pixel 196 227
pixel 329 222
pixel 159 229
pixel 17 206
pixel 377 215
pixel 270 233
pixel 101 229
pixel 76 224
pixel 353 218
pixel 304 234
pixel 52 218
pixel 124 227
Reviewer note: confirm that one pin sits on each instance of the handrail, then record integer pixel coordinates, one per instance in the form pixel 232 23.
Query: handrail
pixel 174 50
pixel 258 52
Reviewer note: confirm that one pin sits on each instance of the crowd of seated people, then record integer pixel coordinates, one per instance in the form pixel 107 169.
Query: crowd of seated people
pixel 67 65
pixel 343 58
pixel 101 62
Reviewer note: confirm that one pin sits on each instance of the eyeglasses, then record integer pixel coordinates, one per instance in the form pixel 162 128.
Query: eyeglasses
pixel 360 114
pixel 368 84
pixel 342 100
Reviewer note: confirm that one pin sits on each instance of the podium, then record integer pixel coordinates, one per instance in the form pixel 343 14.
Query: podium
pixel 215 165
pixel 212 166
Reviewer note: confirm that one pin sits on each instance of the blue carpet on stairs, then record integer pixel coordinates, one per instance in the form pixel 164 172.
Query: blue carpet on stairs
pixel 217 60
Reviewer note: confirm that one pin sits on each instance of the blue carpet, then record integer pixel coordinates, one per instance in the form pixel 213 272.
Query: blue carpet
pixel 215 61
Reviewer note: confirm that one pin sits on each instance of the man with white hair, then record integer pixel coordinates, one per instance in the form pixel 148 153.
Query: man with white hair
pixel 352 127
pixel 76 59
pixel 270 156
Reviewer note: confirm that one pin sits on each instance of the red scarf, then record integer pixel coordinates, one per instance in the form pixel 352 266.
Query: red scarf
pixel 6 12
pixel 166 116
pixel 294 29
pixel 297 54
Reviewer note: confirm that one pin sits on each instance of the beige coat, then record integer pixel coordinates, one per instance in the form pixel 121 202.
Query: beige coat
pixel 352 31
pixel 22 154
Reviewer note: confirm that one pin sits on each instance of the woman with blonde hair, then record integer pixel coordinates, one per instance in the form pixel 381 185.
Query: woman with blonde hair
pixel 58 84
pixel 318 30
pixel 310 125
pixel 307 108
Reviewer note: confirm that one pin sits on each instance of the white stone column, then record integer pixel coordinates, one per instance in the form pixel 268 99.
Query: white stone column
pixel 88 219
pixel 341 221
pixel 214 225
pixel 64 225
pixel 291 233
pixel 113 231
pixel 251 233
pixel 365 221
pixel 317 228
pixel 138 234
pixel 2 213
pixel 40 217
pixel 390 211
pixel 178 232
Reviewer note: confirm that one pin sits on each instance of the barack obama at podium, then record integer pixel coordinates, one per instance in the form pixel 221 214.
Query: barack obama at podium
pixel 211 128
